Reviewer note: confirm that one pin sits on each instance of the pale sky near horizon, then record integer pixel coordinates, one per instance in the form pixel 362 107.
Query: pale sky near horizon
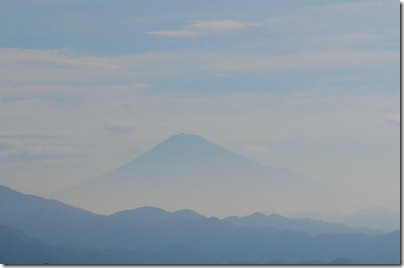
pixel 311 85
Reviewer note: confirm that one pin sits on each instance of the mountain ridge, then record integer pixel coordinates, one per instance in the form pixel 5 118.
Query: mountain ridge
pixel 306 225
pixel 92 238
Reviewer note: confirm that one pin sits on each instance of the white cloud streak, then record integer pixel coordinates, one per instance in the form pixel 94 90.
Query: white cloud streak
pixel 33 71
pixel 34 65
pixel 217 25
pixel 203 27
pixel 8 144
pixel 119 128
pixel 393 119
pixel 176 34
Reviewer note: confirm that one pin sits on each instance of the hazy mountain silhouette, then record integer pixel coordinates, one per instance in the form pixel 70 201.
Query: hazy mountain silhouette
pixel 184 156
pixel 58 233
pixel 18 248
pixel 151 215
pixel 56 222
pixel 307 225
pixel 47 219
pixel 183 169
pixel 16 204
pixel 244 248
pixel 142 215
pixel 380 218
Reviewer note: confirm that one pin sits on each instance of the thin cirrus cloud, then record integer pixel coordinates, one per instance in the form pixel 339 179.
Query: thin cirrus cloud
pixel 19 79
pixel 30 135
pixel 218 25
pixel 34 65
pixel 178 34
pixel 393 119
pixel 196 28
pixel 41 154
pixel 119 128
pixel 6 145
pixel 57 57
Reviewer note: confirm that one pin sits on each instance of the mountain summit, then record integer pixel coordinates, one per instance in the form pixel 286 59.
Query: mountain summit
pixel 188 169
pixel 186 147
pixel 191 156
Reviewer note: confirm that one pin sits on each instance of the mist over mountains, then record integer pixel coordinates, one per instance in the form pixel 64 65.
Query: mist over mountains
pixel 185 172
pixel 188 168
pixel 37 230
pixel 373 217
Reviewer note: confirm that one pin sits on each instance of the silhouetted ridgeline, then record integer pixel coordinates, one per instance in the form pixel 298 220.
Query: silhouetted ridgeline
pixel 36 230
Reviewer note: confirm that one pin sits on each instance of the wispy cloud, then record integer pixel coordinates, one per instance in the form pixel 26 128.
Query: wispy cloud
pixel 353 6
pixel 41 154
pixel 344 23
pixel 36 66
pixel 200 27
pixel 281 20
pixel 393 119
pixel 8 144
pixel 336 40
pixel 178 33
pixel 57 56
pixel 30 135
pixel 218 25
pixel 135 69
pixel 119 128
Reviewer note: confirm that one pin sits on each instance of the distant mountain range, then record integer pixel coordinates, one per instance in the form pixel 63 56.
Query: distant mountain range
pixel 374 217
pixel 309 226
pixel 190 169
pixel 37 230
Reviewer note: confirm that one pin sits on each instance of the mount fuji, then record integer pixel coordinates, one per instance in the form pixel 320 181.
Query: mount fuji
pixel 190 171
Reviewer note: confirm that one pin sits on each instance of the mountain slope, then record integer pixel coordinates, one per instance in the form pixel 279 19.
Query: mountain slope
pixel 183 157
pixel 50 220
pixel 190 169
pixel 148 215
pixel 18 248
pixel 16 204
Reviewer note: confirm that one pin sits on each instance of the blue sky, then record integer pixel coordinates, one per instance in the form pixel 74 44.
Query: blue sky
pixel 309 85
